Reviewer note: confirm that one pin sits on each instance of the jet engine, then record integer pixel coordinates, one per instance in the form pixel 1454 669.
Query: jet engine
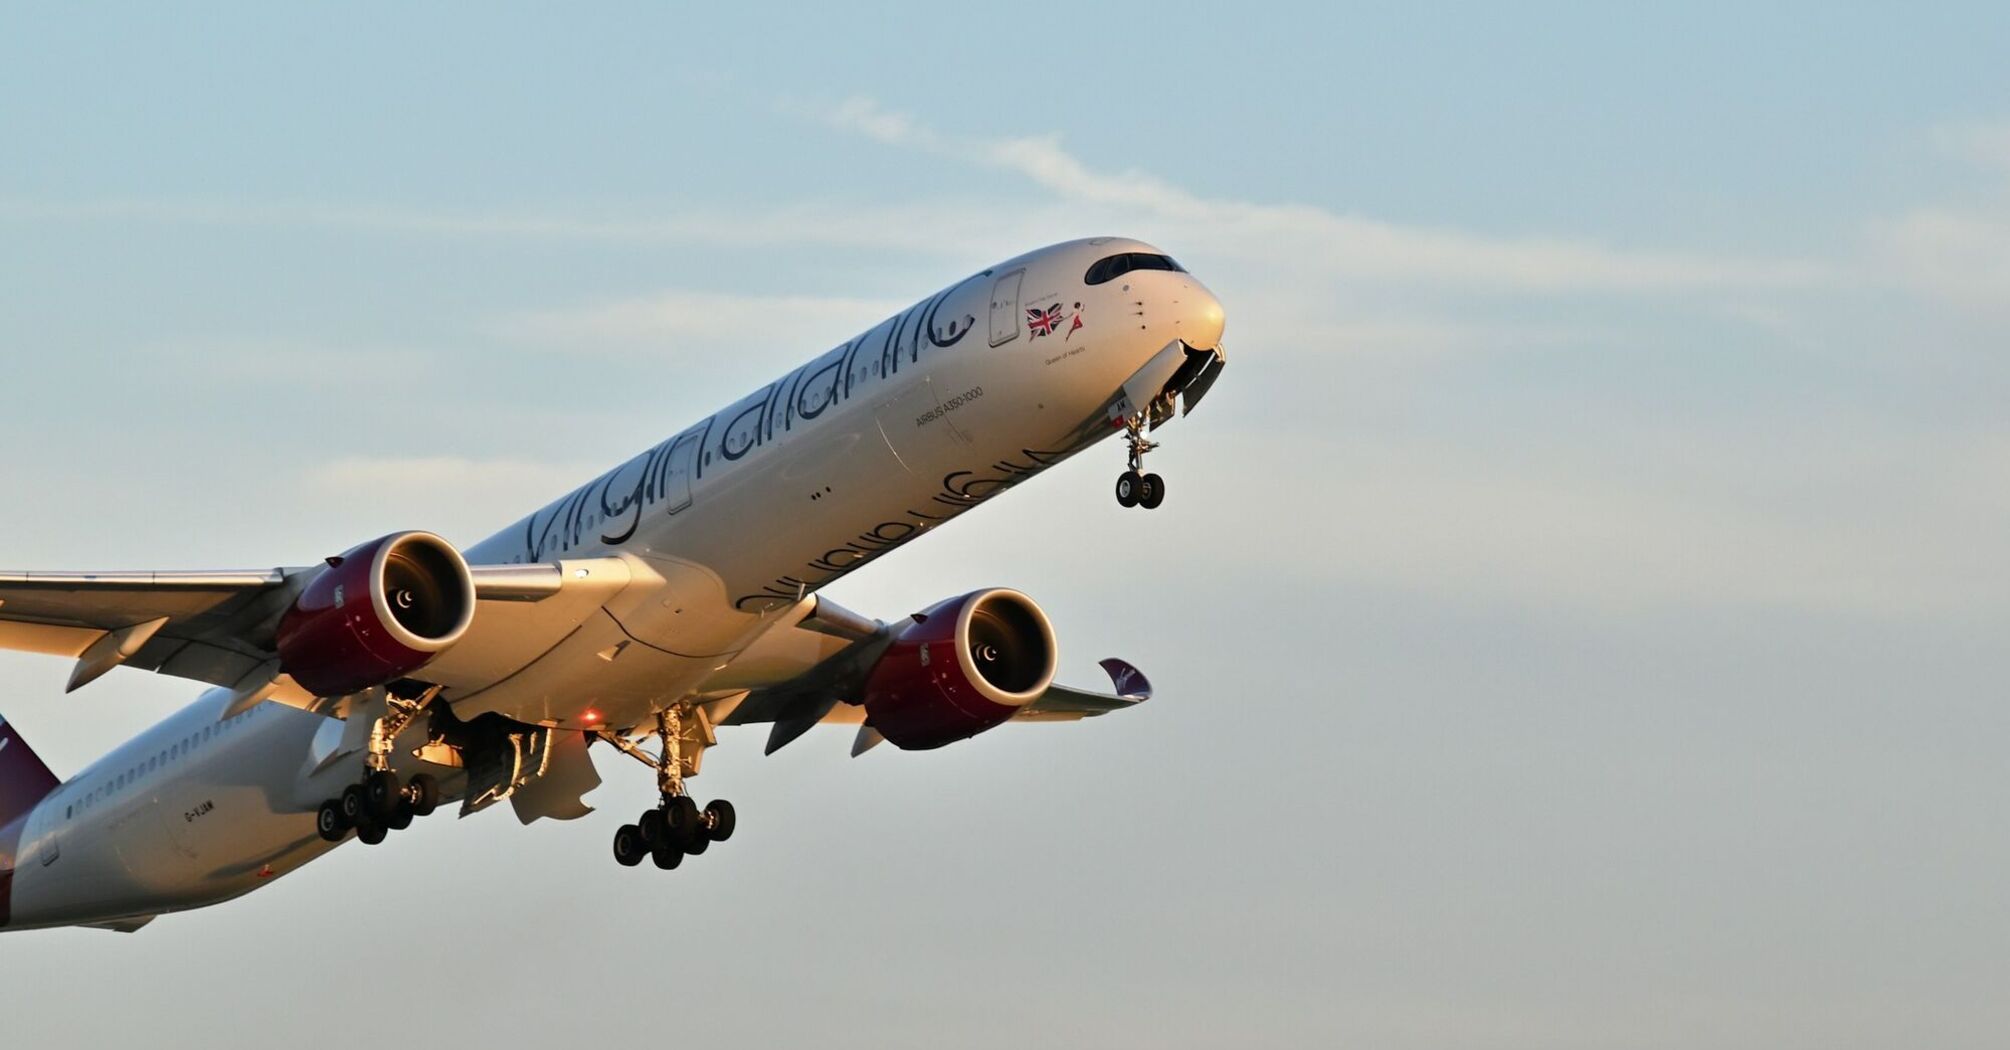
pixel 960 667
pixel 376 614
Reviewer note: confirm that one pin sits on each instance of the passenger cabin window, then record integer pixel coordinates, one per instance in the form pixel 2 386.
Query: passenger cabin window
pixel 1116 266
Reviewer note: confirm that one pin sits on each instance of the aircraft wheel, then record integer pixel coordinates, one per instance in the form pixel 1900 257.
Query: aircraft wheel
pixel 400 818
pixel 371 834
pixel 681 814
pixel 355 807
pixel 328 821
pixel 424 793
pixel 384 792
pixel 667 857
pixel 655 829
pixel 1151 491
pixel 628 848
pixel 1127 489
pixel 719 820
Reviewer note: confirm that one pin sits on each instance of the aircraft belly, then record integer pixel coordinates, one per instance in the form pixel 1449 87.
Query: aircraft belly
pixel 601 669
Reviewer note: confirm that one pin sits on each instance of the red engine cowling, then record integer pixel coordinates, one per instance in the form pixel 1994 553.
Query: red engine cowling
pixel 376 614
pixel 959 668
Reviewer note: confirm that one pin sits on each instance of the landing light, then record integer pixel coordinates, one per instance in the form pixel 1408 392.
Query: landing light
pixel 591 716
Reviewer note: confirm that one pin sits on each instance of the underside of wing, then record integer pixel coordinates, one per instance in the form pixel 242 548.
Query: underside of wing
pixel 954 670
pixel 212 627
pixel 1062 703
pixel 224 627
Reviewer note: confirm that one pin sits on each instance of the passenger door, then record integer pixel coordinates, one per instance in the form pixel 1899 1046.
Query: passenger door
pixel 682 461
pixel 1005 308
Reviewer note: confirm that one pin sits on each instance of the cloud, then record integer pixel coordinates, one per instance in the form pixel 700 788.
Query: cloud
pixel 920 227
pixel 1983 144
pixel 1956 253
pixel 682 319
pixel 260 361
pixel 461 498
pixel 1833 517
pixel 400 473
pixel 1960 256
pixel 1336 245
pixel 864 116
pixel 1346 245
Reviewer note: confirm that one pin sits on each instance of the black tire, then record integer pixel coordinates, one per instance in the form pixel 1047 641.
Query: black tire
pixel 329 822
pixel 370 834
pixel 1151 491
pixel 1127 489
pixel 682 816
pixel 384 792
pixel 667 857
pixel 719 820
pixel 628 848
pixel 700 842
pixel 655 829
pixel 424 795
pixel 400 818
pixel 354 805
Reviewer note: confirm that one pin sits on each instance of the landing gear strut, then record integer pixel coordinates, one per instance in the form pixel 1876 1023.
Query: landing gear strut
pixel 382 803
pixel 676 828
pixel 1135 488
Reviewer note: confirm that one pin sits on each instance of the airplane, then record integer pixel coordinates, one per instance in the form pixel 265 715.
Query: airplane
pixel 673 595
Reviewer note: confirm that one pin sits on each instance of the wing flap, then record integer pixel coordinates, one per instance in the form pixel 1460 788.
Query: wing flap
pixel 210 626
pixel 46 638
pixel 110 600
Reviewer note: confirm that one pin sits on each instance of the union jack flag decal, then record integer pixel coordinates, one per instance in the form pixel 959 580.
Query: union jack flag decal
pixel 1043 321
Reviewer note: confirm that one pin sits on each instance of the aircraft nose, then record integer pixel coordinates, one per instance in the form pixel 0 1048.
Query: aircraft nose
pixel 1201 318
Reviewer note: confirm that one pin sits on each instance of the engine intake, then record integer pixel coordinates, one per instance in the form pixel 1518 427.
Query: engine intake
pixel 960 667
pixel 376 614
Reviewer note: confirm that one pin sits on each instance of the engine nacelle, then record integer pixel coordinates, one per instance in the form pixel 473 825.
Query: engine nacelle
pixel 959 668
pixel 376 614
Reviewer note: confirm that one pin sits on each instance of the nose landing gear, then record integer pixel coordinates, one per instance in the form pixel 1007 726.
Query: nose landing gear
pixel 676 828
pixel 1135 488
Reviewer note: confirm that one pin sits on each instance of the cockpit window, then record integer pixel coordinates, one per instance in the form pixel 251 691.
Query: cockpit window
pixel 1117 265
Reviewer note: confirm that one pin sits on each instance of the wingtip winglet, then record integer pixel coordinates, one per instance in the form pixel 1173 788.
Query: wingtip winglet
pixel 1129 682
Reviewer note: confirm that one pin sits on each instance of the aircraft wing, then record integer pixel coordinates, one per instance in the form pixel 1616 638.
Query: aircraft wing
pixel 220 627
pixel 831 692
pixel 212 627
pixel 1062 703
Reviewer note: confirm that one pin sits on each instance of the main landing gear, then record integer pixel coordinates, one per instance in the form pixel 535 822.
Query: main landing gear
pixel 1135 488
pixel 382 803
pixel 676 828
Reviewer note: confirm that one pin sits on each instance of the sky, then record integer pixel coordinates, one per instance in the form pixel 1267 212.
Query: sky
pixel 1577 615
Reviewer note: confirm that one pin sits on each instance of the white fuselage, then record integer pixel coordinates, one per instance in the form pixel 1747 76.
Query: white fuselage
pixel 866 447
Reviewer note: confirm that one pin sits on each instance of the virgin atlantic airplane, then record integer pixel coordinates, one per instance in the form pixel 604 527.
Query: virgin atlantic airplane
pixel 672 595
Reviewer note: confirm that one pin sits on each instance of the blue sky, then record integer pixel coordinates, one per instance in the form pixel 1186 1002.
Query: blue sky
pixel 1577 614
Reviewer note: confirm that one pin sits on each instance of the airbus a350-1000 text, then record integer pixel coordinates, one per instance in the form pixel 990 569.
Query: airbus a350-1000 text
pixel 672 595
